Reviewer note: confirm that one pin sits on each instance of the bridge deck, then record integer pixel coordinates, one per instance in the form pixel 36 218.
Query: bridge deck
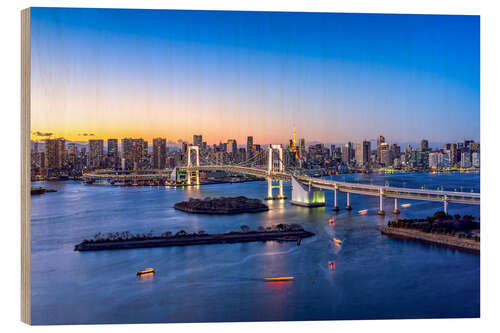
pixel 364 189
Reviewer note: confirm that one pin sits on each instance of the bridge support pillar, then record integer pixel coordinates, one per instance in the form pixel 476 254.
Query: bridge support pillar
pixel 381 205
pixel 446 207
pixel 269 189
pixel 335 206
pixel 396 210
pixel 281 195
pixel 348 205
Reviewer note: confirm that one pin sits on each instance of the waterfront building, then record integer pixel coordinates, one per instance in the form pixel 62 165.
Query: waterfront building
pixel 113 154
pixel 363 150
pixel 435 160
pixel 465 160
pixel 134 152
pixel 475 159
pixel 54 153
pixel 347 153
pixel 96 153
pixel 160 153
pixel 384 154
pixel 453 153
pixel 307 196
pixel 380 141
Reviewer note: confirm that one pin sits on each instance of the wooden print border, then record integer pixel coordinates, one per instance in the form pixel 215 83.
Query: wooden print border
pixel 25 166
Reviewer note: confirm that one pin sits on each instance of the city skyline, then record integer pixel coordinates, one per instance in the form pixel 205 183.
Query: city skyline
pixel 153 74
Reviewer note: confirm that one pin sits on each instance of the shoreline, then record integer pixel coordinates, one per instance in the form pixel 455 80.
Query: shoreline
pixel 221 206
pixel 453 242
pixel 227 238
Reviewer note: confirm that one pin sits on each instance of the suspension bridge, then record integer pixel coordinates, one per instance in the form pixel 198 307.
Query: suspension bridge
pixel 274 171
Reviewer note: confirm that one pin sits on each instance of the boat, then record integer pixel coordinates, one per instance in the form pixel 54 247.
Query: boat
pixel 405 205
pixel 331 264
pixel 331 221
pixel 363 211
pixel 280 278
pixel 337 241
pixel 147 271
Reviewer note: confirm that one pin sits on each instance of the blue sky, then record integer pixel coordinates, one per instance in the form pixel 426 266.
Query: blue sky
pixel 335 77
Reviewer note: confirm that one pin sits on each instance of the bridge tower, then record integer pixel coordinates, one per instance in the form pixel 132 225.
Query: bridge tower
pixel 381 203
pixel 274 166
pixel 193 176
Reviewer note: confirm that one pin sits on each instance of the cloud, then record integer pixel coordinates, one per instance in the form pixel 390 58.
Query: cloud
pixel 38 133
pixel 85 134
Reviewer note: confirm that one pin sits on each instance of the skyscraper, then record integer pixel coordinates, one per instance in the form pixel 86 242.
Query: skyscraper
pixel 197 140
pixel 363 150
pixel 476 160
pixel 232 147
pixel 380 140
pixel 347 153
pixel 385 154
pixel 424 145
pixel 96 153
pixel 54 153
pixel 112 153
pixel 465 160
pixel 302 147
pixel 133 153
pixel 160 153
pixel 250 147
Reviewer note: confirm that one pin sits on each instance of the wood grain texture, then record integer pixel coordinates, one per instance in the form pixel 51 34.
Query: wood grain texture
pixel 25 166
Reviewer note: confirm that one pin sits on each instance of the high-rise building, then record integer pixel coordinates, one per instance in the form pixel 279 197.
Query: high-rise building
pixel 435 160
pixel 198 140
pixel 363 151
pixel 475 160
pixel 160 153
pixel 113 154
pixel 249 146
pixel 385 157
pixel 302 147
pixel 232 147
pixel 395 150
pixel 112 147
pixel 380 140
pixel 133 153
pixel 96 153
pixel 453 153
pixel 347 153
pixel 424 145
pixel 465 160
pixel 54 153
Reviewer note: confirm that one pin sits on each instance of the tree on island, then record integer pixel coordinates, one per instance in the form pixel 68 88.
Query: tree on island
pixel 244 228
pixel 181 233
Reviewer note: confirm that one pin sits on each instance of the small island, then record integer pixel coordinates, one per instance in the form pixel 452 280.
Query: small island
pixel 36 190
pixel 462 233
pixel 222 205
pixel 126 240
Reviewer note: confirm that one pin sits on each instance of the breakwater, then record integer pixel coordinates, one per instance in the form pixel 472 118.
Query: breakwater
pixel 189 239
pixel 464 244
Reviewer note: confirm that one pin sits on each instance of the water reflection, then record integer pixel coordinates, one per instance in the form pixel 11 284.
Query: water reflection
pixel 224 282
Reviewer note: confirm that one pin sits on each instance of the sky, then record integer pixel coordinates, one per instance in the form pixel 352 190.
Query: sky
pixel 108 73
